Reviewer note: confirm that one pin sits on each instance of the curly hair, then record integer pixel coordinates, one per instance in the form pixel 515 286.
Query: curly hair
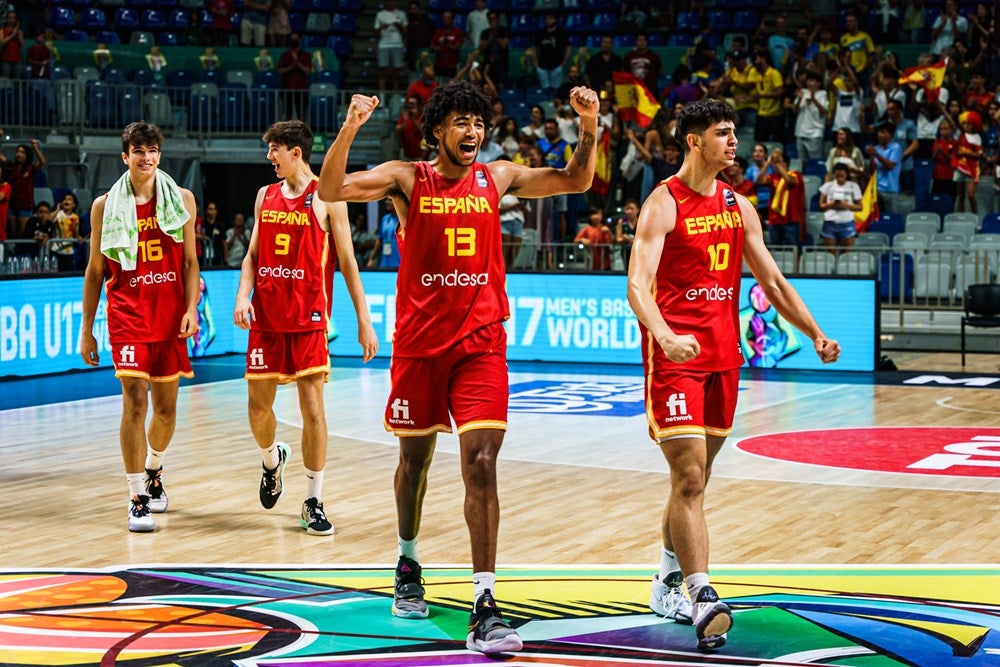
pixel 141 133
pixel 696 117
pixel 291 134
pixel 458 96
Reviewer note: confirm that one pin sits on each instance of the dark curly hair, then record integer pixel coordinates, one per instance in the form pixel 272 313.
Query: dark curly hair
pixel 460 96
pixel 140 133
pixel 291 134
pixel 696 117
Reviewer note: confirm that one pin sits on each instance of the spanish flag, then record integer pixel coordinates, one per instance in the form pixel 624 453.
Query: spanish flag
pixel 869 212
pixel 930 77
pixel 602 170
pixel 635 101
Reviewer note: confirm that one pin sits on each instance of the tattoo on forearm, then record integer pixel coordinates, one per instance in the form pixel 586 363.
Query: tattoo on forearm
pixel 584 147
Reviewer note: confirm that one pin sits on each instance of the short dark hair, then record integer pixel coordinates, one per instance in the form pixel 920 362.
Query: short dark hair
pixel 457 96
pixel 696 117
pixel 742 162
pixel 291 134
pixel 141 133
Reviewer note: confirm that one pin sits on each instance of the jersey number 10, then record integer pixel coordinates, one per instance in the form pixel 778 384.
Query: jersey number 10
pixel 718 257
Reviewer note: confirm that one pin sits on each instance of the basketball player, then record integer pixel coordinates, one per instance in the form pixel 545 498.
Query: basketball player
pixel 449 350
pixel 288 269
pixel 142 248
pixel 693 235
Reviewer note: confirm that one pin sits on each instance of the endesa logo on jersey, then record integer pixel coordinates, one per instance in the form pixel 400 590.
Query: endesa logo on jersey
pixel 454 279
pixel 282 272
pixel 956 452
pixel 713 293
pixel 157 278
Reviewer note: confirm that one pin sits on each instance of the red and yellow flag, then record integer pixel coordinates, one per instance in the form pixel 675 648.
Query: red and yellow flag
pixel 869 212
pixel 602 170
pixel 635 101
pixel 930 77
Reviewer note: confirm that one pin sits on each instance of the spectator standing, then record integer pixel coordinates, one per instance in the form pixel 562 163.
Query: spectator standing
pixel 411 137
pixel 389 237
pixel 508 135
pixel 625 228
pixel 967 156
pixel 914 21
pixel 5 221
pixel 553 51
pixel 906 137
pixel 929 107
pixel 279 25
pixel 536 123
pixel 476 21
pixel 39 57
pixel 839 198
pixel 556 153
pixel 213 235
pixel 859 44
pixel 253 25
pixel 597 237
pixel 848 102
pixel 237 241
pixel 40 227
pixel 740 82
pixel 446 42
pixel 780 43
pixel 511 228
pixel 220 27
pixel 769 91
pixel 845 151
pixel 424 86
pixel 887 161
pixel 644 63
pixel 419 31
pixel 947 27
pixel 365 242
pixel 294 67
pixel 67 223
pixel 22 182
pixel 494 44
pixel 757 165
pixel 390 25
pixel 11 42
pixel 602 65
pixel 786 216
pixel 943 154
pixel 811 107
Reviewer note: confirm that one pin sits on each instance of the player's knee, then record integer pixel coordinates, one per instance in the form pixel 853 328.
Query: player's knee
pixel 689 482
pixel 480 467
pixel 165 411
pixel 258 410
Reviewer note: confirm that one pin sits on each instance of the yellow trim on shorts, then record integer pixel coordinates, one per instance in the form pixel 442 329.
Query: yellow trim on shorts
pixel 676 432
pixel 284 378
pixel 155 378
pixel 414 433
pixel 482 424
pixel 720 432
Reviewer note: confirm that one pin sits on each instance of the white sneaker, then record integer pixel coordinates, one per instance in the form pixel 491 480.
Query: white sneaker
pixel 139 518
pixel 670 602
pixel 154 489
pixel 712 619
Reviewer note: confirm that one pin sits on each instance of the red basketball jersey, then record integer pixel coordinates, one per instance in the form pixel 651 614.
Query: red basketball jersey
pixel 698 279
pixel 451 274
pixel 294 281
pixel 147 305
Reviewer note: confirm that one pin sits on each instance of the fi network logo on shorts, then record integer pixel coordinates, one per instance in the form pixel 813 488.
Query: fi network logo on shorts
pixel 401 411
pixel 677 405
pixel 600 399
pixel 257 358
pixel 127 356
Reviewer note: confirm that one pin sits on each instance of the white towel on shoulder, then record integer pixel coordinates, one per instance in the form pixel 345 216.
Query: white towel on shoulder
pixel 120 228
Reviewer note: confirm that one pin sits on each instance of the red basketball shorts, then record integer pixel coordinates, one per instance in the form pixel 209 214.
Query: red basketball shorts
pixel 686 404
pixel 286 356
pixel 469 382
pixel 161 361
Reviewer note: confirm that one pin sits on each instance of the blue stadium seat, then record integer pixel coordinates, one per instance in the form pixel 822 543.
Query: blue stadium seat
pixel 62 18
pixel 126 19
pixel 113 75
pixel 746 20
pixel 354 6
pixel 93 19
pixel 654 39
pixel 323 113
pixel 130 104
pixel 168 38
pixel 312 41
pixel 578 22
pixel 297 21
pixel 203 107
pixel 101 106
pixel 210 76
pixel 76 36
pixel 895 274
pixel 889 224
pixel 143 77
pixel 154 20
pixel 719 20
pixel 605 22
pixel 340 45
pixel 687 22
pixel 814 167
pixel 60 72
pixel 179 86
pixel 263 107
pixel 325 76
pixel 179 19
pixel 991 223
pixel 267 79
pixel 680 39
pixel 522 23
pixel 233 108
pixel 940 204
pixel 625 41
pixel 108 37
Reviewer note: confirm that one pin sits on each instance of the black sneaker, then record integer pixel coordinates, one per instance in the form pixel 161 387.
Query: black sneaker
pixel 139 519
pixel 154 489
pixel 712 619
pixel 270 480
pixel 314 519
pixel 488 632
pixel 408 592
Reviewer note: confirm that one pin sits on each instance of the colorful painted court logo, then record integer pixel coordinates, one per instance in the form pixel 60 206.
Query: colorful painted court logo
pixel 962 452
pixel 570 617
pixel 598 398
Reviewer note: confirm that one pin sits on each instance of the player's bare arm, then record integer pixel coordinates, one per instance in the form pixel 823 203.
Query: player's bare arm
pixel 93 279
pixel 776 287
pixel 340 226
pixel 656 220
pixel 243 314
pixel 576 176
pixel 335 184
pixel 191 272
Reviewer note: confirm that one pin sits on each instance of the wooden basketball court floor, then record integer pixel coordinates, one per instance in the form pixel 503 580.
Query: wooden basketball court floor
pixel 853 520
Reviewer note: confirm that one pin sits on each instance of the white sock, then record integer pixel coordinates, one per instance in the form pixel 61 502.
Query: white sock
pixel 270 456
pixel 408 548
pixel 695 582
pixel 136 483
pixel 154 459
pixel 482 582
pixel 314 486
pixel 668 563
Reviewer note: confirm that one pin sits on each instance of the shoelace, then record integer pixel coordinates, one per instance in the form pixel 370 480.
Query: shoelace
pixel 139 509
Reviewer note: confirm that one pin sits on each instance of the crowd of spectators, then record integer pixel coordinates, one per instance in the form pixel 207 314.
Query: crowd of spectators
pixel 824 92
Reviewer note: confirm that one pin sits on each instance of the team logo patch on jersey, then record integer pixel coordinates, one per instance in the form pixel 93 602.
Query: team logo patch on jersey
pixel 309 200
pixel 316 316
pixel 481 179
pixel 729 197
